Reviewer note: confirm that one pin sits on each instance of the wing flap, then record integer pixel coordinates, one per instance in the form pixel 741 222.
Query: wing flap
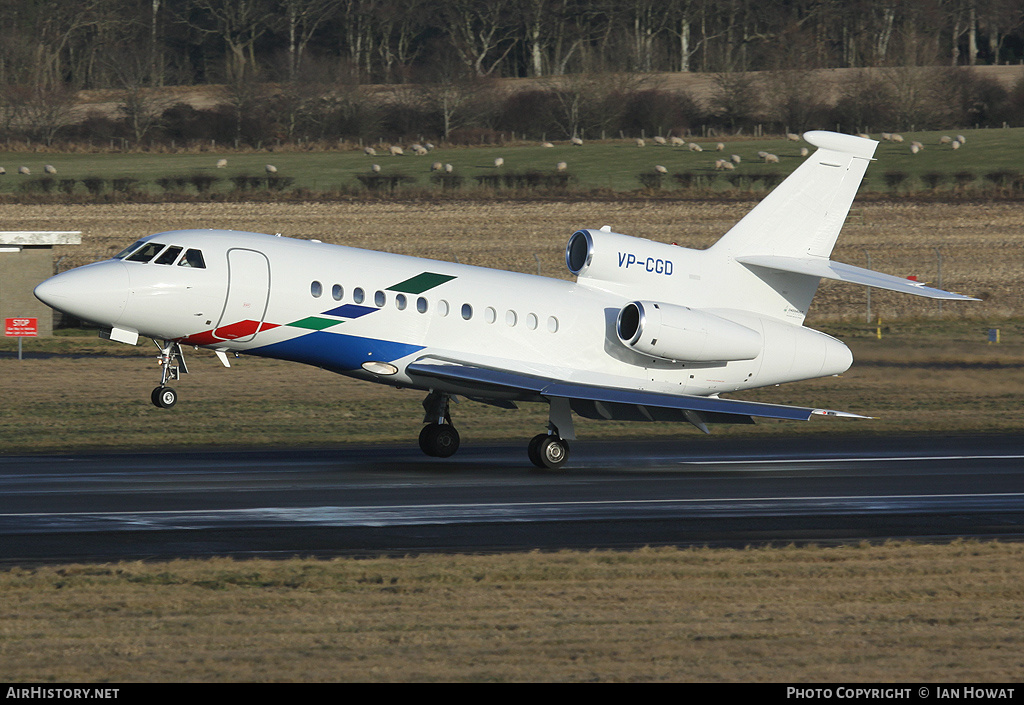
pixel 593 401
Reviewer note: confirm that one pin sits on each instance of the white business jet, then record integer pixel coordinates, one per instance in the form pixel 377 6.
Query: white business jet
pixel 647 332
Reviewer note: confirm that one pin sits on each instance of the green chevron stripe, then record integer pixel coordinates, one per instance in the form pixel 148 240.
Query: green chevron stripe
pixel 315 323
pixel 421 282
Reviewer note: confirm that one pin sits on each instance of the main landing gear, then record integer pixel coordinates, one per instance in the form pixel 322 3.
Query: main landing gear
pixel 173 366
pixel 547 451
pixel 438 439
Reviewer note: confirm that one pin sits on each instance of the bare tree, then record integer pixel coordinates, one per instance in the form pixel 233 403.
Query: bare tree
pixel 451 93
pixel 482 33
pixel 46 110
pixel 141 106
pixel 239 24
pixel 302 19
pixel 591 102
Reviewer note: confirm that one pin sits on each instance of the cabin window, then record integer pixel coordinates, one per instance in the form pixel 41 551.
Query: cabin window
pixel 357 295
pixel 552 324
pixel 146 252
pixel 400 302
pixel 380 299
pixel 442 307
pixel 169 255
pixel 194 259
pixel 511 318
pixel 337 292
pixel 467 312
pixel 421 305
pixel 531 321
pixel 490 315
pixel 316 289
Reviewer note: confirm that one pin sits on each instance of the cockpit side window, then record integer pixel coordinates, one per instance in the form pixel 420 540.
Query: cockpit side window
pixel 169 255
pixel 131 248
pixel 146 252
pixel 193 258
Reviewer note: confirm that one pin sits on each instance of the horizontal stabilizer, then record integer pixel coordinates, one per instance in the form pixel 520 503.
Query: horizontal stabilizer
pixel 827 269
pixel 610 400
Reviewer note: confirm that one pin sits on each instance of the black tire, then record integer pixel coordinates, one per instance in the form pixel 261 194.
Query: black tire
pixel 551 452
pixel 439 440
pixel 164 397
pixel 426 439
pixel 531 450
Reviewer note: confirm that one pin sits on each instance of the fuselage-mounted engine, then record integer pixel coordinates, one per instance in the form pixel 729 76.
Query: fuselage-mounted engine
pixel 682 334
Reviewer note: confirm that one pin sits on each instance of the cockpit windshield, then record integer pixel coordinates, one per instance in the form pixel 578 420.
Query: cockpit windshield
pixel 141 251
pixel 146 252
pixel 131 248
pixel 169 255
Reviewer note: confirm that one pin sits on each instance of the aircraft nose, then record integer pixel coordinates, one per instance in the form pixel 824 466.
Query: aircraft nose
pixel 95 292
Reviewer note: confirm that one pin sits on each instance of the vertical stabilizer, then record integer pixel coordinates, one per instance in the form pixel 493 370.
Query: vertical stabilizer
pixel 802 217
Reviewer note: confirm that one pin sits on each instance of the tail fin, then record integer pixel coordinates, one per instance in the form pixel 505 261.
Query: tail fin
pixel 802 217
pixel 791 232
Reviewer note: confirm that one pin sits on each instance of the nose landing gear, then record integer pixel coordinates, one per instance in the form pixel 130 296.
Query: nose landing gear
pixel 173 366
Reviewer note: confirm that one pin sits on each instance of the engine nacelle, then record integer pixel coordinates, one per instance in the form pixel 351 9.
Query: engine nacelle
pixel 672 332
pixel 606 256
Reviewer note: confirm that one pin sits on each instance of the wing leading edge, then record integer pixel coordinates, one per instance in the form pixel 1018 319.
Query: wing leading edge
pixel 611 403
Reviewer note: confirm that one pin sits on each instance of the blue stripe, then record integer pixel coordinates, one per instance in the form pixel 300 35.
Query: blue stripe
pixel 334 351
pixel 349 311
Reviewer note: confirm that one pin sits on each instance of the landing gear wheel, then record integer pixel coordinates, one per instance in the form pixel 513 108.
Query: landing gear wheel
pixel 548 452
pixel 439 440
pixel 164 397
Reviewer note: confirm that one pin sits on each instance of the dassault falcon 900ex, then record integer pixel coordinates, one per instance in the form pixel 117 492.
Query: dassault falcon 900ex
pixel 647 331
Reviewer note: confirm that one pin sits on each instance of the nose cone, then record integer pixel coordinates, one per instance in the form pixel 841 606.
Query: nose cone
pixel 97 292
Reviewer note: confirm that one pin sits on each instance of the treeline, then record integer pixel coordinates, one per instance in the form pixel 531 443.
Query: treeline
pixel 108 43
pixel 481 111
pixel 308 71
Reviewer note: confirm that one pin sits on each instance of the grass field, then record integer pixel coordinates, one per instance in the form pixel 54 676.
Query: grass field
pixel 897 613
pixel 611 164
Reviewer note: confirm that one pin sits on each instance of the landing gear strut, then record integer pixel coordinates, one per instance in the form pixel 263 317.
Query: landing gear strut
pixel 173 365
pixel 438 439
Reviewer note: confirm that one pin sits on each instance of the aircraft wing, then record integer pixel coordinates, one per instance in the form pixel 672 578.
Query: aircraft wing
pixel 598 402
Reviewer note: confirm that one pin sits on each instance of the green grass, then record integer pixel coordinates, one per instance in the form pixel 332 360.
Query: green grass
pixel 612 164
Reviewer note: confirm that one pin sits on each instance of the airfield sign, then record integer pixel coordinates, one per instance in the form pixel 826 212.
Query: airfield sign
pixel 21 327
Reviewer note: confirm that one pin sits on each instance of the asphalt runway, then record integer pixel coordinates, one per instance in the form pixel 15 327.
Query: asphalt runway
pixel 372 500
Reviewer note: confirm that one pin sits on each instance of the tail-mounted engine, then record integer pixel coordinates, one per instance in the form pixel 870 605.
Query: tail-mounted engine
pixel 606 256
pixel 679 333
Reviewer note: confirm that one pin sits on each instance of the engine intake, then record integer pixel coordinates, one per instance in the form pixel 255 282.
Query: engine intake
pixel 672 332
